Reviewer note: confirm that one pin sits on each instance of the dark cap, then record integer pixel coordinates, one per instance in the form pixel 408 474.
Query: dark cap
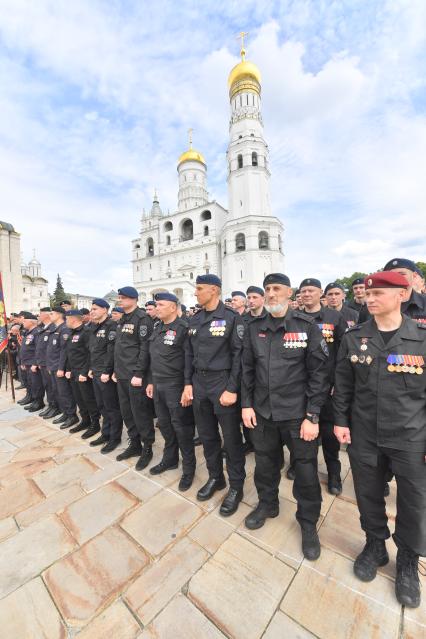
pixel 238 294
pixel 228 299
pixel 128 291
pixel 74 312
pixel 183 307
pixel 255 289
pixel 118 309
pixel 28 316
pixel 59 309
pixel 357 281
pixel 333 285
pixel 84 311
pixel 150 303
pixel 209 278
pixel 166 297
pixel 276 278
pixel 65 302
pixel 385 279
pixel 400 262
pixel 99 301
pixel 45 309
pixel 310 281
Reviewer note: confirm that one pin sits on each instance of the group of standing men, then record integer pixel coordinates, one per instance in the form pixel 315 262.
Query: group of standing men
pixel 293 372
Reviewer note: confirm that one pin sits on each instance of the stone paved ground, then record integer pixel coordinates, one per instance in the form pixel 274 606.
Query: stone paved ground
pixel 89 548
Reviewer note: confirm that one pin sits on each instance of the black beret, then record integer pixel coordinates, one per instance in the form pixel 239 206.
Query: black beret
pixel 276 278
pixel 357 281
pixel 59 309
pixel 28 316
pixel 166 297
pixel 99 301
pixel 45 309
pixel 84 311
pixel 310 281
pixel 333 285
pixel 400 262
pixel 209 278
pixel 74 312
pixel 150 303
pixel 128 291
pixel 228 299
pixel 183 307
pixel 66 302
pixel 238 294
pixel 118 309
pixel 255 289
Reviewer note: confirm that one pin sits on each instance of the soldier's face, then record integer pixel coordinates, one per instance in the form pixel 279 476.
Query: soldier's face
pixel 359 292
pixel 165 309
pixel 44 317
pixel 66 307
pixel 97 313
pixel 152 311
pixel 310 295
pixel 28 324
pixel 205 293
pixel 126 303
pixel 73 321
pixel 381 301
pixel 409 275
pixel 255 301
pixel 115 316
pixel 277 295
pixel 238 302
pixel 335 297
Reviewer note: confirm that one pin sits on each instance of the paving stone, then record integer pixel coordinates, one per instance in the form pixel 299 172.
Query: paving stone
pixel 36 452
pixel 71 472
pixel 211 532
pixel 5 446
pixel 415 618
pixel 55 437
pixel 27 553
pixel 19 470
pixel 169 623
pixel 87 580
pixel 282 626
pixel 413 629
pixel 5 458
pixel 341 531
pixel 93 513
pixel 8 528
pixel 26 438
pixel 29 423
pixel 343 605
pixel 148 595
pixel 103 476
pixel 103 461
pixel 29 613
pixel 18 496
pixel 240 588
pixel 160 522
pixel 116 622
pixel 142 487
pixel 51 505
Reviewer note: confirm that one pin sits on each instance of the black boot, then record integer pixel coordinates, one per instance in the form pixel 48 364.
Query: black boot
pixel 310 544
pixel 248 448
pixel 210 487
pixel 99 441
pixel 83 425
pixel 70 421
pixel 407 583
pixel 145 458
pixel 186 482
pixel 230 504
pixel 258 516
pixel 94 429
pixel 162 467
pixel 110 446
pixel 373 555
pixel 386 490
pixel 134 449
pixel 19 387
pixel 35 406
pixel 60 419
pixel 45 411
pixel 54 412
pixel 25 400
pixel 334 484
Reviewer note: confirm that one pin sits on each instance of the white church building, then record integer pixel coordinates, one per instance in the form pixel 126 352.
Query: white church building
pixel 241 244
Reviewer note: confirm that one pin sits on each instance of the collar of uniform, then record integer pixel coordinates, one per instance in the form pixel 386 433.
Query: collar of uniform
pixel 162 328
pixel 218 312
pixel 78 329
pixel 407 330
pixel 127 316
pixel 267 323
pixel 416 300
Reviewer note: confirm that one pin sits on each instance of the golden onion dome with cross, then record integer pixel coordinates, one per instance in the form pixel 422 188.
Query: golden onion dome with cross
pixel 245 76
pixel 191 155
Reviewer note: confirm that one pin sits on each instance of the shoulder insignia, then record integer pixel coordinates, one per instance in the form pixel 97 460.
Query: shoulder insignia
pixel 302 316
pixel 356 327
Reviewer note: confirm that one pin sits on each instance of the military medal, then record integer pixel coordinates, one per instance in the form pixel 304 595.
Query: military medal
pixel 354 359
pixel 405 367
pixel 420 362
pixel 398 366
pixel 391 363
pixel 327 332
pixel 361 359
pixel 412 368
pixel 368 359
pixel 364 341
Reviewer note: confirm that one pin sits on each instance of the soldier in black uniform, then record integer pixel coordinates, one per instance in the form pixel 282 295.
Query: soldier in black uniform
pixel 77 366
pixel 239 301
pixel 22 372
pixel 284 385
pixel 55 364
pixel 131 364
pixel 358 290
pixel 414 305
pixel 255 302
pixel 212 381
pixel 167 363
pixel 380 411
pixel 117 313
pixel 102 342
pixel 333 327
pixel 335 294
pixel 45 328
pixel 29 363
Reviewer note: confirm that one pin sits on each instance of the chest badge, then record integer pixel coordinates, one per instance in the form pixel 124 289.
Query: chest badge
pixel 327 332
pixel 295 340
pixel 218 327
pixel 169 337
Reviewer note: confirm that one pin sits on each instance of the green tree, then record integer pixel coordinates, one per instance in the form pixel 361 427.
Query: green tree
pixel 422 267
pixel 59 294
pixel 346 282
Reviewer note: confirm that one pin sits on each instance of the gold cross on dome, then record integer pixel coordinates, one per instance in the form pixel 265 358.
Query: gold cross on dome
pixel 242 35
pixel 190 131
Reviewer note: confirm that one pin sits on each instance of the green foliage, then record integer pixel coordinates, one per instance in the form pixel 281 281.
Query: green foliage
pixel 422 267
pixel 59 294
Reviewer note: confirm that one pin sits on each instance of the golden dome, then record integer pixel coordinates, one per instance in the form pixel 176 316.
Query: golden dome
pixel 244 70
pixel 191 156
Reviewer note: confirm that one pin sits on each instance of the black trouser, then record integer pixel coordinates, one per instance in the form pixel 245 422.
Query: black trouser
pixel 207 389
pixel 136 410
pixel 85 399
pixel 268 439
pixel 35 384
pixel 330 444
pixel 107 400
pixel 47 385
pixel 64 394
pixel 23 377
pixel 176 425
pixel 369 479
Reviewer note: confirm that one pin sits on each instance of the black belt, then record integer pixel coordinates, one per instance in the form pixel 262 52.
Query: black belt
pixel 201 371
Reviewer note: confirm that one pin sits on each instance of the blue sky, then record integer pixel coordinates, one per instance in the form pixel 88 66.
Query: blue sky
pixel 96 99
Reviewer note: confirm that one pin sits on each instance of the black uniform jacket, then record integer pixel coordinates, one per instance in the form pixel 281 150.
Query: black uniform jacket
pixel 283 382
pixel 28 347
pixel 215 344
pixel 131 352
pixel 167 352
pixel 333 326
pixel 56 352
pixel 101 345
pixel 354 305
pixel 41 343
pixel 78 354
pixel 381 407
pixel 349 315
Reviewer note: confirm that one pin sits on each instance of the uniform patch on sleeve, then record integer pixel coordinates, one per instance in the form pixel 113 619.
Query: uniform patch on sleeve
pixel 240 331
pixel 324 347
pixel 111 336
pixel 143 331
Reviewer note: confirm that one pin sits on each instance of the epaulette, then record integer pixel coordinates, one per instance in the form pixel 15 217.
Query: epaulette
pixel 302 316
pixel 356 327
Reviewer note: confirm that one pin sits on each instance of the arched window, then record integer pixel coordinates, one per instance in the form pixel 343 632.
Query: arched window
pixel 280 244
pixel 137 246
pixel 168 226
pixel 168 240
pixel 206 230
pixel 240 242
pixel 206 215
pixel 187 230
pixel 263 239
pixel 150 246
pixel 254 158
pixel 240 161
pixel 224 247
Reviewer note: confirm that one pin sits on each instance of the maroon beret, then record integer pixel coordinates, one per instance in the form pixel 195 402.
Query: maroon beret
pixel 385 279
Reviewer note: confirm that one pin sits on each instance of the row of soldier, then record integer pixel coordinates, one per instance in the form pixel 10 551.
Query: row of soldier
pixel 294 371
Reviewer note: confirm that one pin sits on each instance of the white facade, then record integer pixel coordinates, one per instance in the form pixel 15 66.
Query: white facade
pixel 241 245
pixel 34 287
pixel 10 267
